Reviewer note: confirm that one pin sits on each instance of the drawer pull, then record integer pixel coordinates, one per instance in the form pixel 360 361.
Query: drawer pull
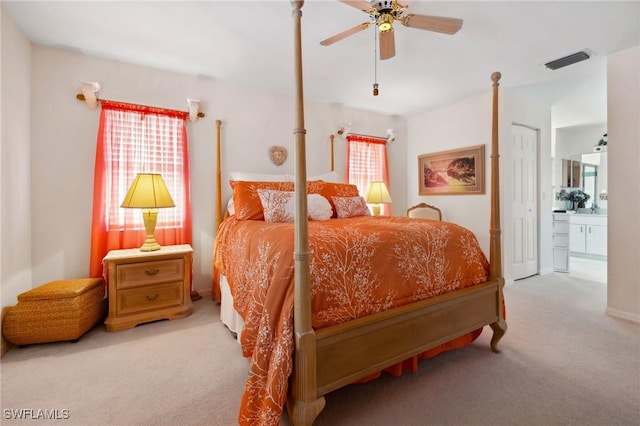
pixel 151 272
pixel 152 296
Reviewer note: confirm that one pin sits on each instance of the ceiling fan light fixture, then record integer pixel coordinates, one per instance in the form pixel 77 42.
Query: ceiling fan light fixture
pixel 385 22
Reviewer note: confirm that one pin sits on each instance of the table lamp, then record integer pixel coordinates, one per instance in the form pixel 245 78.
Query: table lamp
pixel 376 195
pixel 149 193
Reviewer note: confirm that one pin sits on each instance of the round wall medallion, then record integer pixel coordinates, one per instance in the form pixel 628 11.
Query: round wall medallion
pixel 278 155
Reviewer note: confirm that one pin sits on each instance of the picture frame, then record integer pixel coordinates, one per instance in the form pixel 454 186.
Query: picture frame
pixel 454 172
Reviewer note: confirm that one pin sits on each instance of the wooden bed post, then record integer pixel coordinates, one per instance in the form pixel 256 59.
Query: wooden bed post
pixel 332 137
pixel 495 253
pixel 303 403
pixel 218 177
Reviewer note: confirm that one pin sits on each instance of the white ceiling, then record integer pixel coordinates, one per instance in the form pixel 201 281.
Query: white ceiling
pixel 250 42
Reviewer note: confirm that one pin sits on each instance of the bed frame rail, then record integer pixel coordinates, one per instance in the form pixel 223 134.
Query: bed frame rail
pixel 350 351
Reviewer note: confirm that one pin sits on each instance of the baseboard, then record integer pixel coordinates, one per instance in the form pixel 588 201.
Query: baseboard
pixel 546 271
pixel 6 345
pixel 623 315
pixel 204 292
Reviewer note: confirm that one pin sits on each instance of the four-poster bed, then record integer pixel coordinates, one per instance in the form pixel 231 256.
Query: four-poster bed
pixel 331 356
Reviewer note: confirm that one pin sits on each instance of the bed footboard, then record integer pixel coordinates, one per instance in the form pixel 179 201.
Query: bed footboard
pixel 350 351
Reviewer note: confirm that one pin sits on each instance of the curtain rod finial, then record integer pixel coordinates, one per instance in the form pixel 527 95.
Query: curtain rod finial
pixel 194 106
pixel 89 93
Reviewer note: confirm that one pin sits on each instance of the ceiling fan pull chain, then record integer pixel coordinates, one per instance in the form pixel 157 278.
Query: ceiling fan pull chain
pixel 375 62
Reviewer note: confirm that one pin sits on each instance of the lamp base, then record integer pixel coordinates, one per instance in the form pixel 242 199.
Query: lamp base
pixel 150 244
pixel 375 210
pixel 150 217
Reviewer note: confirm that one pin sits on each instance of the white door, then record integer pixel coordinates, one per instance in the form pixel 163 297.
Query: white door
pixel 524 144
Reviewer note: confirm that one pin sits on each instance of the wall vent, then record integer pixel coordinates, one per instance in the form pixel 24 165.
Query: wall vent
pixel 567 60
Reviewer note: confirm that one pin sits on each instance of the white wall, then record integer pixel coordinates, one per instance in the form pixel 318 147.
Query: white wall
pixel 63 139
pixel 15 150
pixel 442 130
pixel 623 115
pixel 468 123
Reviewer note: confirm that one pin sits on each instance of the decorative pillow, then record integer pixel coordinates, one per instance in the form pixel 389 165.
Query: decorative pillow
pixel 351 207
pixel 278 206
pixel 247 201
pixel 314 186
pixel 319 207
pixel 330 189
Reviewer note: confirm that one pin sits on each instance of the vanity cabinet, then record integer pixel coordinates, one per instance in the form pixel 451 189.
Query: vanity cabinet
pixel 588 235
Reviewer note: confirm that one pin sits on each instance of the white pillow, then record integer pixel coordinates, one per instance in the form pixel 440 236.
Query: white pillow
pixel 259 177
pixel 319 207
pixel 350 206
pixel 327 177
pixel 231 210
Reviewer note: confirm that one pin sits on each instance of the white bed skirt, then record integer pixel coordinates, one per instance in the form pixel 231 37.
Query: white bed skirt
pixel 228 315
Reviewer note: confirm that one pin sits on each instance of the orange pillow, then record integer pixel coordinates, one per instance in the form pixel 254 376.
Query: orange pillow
pixel 246 199
pixel 330 189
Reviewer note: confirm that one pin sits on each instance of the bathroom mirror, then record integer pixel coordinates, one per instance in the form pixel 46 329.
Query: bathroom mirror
pixel 589 173
pixel 571 172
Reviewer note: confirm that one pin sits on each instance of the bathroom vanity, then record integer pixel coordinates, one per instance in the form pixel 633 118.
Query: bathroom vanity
pixel 578 234
pixel 588 234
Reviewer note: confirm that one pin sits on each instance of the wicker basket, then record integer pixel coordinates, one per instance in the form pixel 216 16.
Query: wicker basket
pixel 57 311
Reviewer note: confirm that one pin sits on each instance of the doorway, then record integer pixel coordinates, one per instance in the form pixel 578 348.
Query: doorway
pixel 524 168
pixel 579 147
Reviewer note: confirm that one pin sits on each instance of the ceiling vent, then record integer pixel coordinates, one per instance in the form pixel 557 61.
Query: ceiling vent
pixel 567 60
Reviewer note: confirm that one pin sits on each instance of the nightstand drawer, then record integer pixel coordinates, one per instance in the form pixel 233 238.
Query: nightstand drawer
pixel 145 273
pixel 146 298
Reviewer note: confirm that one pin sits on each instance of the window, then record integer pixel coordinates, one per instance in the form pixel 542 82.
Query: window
pixel 135 139
pixel 366 162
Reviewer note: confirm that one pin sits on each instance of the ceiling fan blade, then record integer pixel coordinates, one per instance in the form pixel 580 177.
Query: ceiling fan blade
pixel 438 24
pixel 387 45
pixel 358 4
pixel 345 34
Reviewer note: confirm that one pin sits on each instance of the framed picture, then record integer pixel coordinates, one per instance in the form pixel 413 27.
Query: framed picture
pixel 455 172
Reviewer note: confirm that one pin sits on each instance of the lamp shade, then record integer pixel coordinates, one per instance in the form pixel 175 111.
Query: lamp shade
pixel 378 193
pixel 148 191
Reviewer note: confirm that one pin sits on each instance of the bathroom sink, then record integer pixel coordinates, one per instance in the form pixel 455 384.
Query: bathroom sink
pixel 598 212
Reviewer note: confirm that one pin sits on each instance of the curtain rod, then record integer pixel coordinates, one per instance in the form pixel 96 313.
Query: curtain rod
pixel 367 136
pixel 81 97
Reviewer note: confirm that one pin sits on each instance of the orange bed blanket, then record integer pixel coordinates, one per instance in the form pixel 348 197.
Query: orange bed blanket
pixel 358 266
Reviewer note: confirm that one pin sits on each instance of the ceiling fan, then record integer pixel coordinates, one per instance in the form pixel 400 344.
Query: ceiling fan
pixel 382 13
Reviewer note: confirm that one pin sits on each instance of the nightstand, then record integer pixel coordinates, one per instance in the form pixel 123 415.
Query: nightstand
pixel 148 286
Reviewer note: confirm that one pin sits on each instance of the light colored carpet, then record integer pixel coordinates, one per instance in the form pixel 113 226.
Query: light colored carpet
pixel 563 362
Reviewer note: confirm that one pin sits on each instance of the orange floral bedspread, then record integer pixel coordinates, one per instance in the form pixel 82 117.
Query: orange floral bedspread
pixel 358 266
